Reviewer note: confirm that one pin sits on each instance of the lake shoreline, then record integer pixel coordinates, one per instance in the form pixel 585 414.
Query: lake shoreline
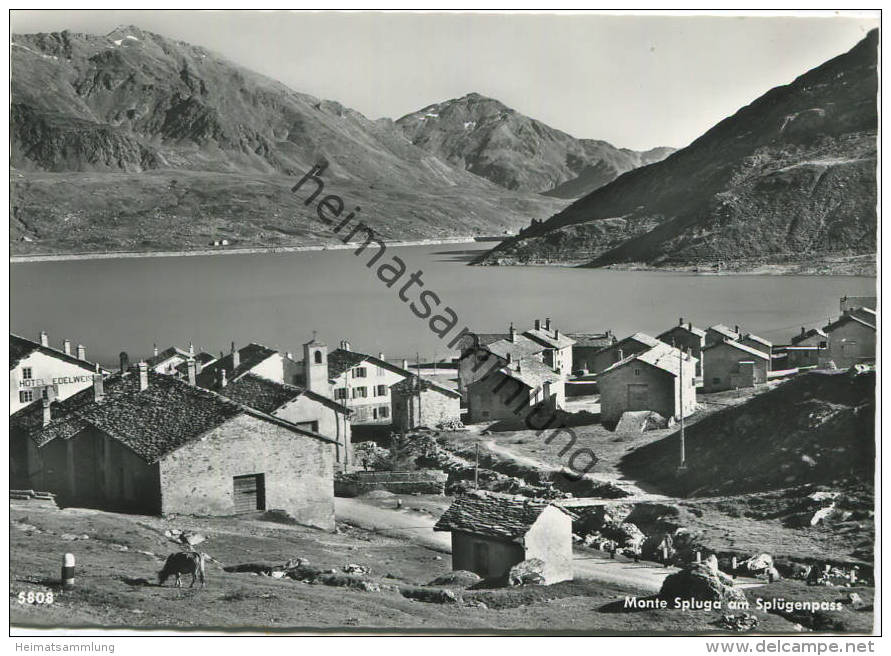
pixel 336 246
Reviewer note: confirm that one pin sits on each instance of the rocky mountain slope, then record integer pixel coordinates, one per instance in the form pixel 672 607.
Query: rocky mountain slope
pixel 818 428
pixel 792 176
pixel 485 137
pixel 135 141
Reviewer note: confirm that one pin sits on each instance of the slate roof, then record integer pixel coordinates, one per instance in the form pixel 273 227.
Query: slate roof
pixel 202 359
pixel 530 372
pixel 21 347
pixel 410 385
pixel 595 340
pixel 268 395
pixel 547 338
pixel 153 422
pixel 662 357
pixel 249 357
pixel 492 515
pixel 687 328
pixel 727 332
pixel 808 334
pixel 341 360
pixel 522 348
pixel 845 318
pixel 742 347
pixel 166 354
pixel 484 339
pixel 757 339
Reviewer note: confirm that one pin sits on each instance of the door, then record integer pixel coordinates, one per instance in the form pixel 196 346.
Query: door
pixel 637 396
pixel 249 493
pixel 481 558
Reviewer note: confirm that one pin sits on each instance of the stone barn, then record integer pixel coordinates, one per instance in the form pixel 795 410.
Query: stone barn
pixel 730 364
pixel 421 402
pixel 150 443
pixel 851 339
pixel 513 390
pixel 689 339
pixel 609 355
pixel 653 380
pixel 492 532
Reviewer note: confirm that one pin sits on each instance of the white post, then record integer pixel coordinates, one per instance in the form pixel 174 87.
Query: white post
pixel 68 571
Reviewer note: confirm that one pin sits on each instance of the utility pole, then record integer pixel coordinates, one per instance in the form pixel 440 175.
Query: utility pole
pixel 418 371
pixel 476 469
pixel 682 467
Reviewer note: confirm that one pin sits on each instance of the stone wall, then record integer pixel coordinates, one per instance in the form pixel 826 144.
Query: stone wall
pixel 197 479
pixel 425 481
pixel 435 408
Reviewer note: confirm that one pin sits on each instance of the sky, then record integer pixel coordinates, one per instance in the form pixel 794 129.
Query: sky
pixel 636 81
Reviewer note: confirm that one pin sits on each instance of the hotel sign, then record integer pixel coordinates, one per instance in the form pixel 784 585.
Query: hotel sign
pixel 60 380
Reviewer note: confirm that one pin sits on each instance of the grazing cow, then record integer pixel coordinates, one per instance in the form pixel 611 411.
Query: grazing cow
pixel 184 562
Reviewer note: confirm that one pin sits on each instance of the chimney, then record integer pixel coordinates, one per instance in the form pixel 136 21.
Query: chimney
pixel 47 413
pixel 513 333
pixel 690 326
pixel 236 358
pixel 81 352
pixel 155 350
pixel 380 356
pixel 191 368
pixel 405 364
pixel 621 356
pixel 548 323
pixel 538 324
pixel 681 321
pixel 346 345
pixel 44 338
pixel 221 381
pixel 66 346
pixel 125 361
pixel 736 329
pixel 191 350
pixel 98 387
pixel 803 331
pixel 556 333
pixel 289 355
pixel 143 376
pixel 508 358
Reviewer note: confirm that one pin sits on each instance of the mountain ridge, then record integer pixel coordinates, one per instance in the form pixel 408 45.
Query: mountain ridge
pixel 496 142
pixel 792 174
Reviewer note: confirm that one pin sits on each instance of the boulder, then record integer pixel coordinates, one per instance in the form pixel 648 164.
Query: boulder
pixel 822 515
pixel 701 582
pixel 353 568
pixel 739 622
pixel 856 601
pixel 758 564
pixel 528 572
pixel 459 578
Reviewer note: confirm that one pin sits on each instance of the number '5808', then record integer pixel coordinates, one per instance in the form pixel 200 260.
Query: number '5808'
pixel 32 597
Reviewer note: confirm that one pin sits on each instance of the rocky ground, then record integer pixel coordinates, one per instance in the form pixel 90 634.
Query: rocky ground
pixel 119 555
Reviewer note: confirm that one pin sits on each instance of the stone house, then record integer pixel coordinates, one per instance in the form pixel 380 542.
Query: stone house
pixel 421 402
pixel 756 342
pixel 608 356
pixel 172 360
pixel 812 337
pixel 661 379
pixel 512 391
pixel 491 533
pixel 586 346
pixel 558 346
pixel 254 358
pixel 143 442
pixel 302 407
pixel 482 353
pixel 719 333
pixel 851 340
pixel 38 371
pixel 689 339
pixel 730 364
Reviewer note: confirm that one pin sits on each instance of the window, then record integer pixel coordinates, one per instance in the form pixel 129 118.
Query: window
pixel 383 412
pixel 823 344
pixel 380 390
pixel 637 372
pixel 318 357
pixel 360 372
pixel 26 396
pixel 360 392
pixel 45 393
pixel 340 393
pixel 27 373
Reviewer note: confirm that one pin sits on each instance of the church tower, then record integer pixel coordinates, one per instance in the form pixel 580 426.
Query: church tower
pixel 315 366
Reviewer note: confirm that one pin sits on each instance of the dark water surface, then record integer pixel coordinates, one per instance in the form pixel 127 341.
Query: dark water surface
pixel 279 299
